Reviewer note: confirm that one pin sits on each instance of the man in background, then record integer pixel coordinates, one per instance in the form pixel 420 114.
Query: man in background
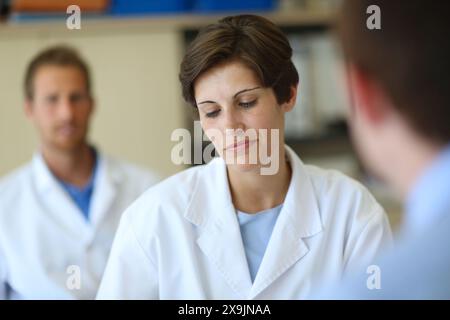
pixel 59 213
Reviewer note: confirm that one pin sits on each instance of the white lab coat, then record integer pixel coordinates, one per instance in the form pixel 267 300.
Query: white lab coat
pixel 43 233
pixel 181 239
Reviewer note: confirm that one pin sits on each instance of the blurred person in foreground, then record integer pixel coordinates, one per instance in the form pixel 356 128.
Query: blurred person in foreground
pixel 399 78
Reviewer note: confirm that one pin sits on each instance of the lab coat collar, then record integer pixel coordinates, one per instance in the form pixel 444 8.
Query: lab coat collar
pixel 211 189
pixel 299 219
pixel 301 195
pixel 211 209
pixel 105 190
pixel 43 177
pixel 220 239
pixel 105 187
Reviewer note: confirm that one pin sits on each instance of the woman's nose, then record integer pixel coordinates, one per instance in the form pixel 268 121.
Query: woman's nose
pixel 233 120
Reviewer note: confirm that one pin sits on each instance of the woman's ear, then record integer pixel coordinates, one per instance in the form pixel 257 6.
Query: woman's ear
pixel 289 105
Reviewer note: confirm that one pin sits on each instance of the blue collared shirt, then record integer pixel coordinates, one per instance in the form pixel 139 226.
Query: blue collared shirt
pixel 82 196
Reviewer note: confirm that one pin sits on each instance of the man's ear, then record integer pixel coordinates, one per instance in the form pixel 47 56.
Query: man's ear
pixel 28 108
pixel 367 96
pixel 93 106
pixel 289 105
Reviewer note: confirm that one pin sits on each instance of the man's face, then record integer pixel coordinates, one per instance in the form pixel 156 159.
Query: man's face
pixel 61 107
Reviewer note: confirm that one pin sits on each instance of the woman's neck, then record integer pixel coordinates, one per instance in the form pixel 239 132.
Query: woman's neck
pixel 252 192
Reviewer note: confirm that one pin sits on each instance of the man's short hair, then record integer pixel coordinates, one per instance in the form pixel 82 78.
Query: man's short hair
pixel 409 56
pixel 60 55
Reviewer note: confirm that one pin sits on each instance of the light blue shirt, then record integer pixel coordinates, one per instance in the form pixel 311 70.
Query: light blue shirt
pixel 418 267
pixel 82 196
pixel 428 202
pixel 256 230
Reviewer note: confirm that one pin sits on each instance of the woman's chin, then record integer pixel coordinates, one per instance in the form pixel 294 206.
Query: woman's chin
pixel 244 167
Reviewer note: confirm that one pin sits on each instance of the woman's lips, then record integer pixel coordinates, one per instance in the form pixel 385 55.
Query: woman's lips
pixel 240 144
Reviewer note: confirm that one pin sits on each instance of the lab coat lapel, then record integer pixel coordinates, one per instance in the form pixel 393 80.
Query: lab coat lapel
pixel 298 219
pixel 105 190
pixel 56 203
pixel 211 209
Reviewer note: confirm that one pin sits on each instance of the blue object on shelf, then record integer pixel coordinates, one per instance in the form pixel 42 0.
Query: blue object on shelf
pixel 148 6
pixel 136 7
pixel 233 5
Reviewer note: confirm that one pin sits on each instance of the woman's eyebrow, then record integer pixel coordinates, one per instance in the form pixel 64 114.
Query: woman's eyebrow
pixel 235 95
pixel 245 90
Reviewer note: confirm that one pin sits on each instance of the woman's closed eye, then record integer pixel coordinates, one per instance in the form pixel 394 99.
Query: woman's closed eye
pixel 213 114
pixel 247 105
pixel 242 104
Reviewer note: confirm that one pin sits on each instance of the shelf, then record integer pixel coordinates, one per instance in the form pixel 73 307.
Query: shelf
pixel 287 19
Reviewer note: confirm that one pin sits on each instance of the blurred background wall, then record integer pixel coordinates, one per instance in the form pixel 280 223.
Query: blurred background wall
pixel 134 48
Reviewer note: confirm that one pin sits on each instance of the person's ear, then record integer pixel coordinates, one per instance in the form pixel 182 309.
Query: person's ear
pixel 289 105
pixel 92 106
pixel 366 95
pixel 28 108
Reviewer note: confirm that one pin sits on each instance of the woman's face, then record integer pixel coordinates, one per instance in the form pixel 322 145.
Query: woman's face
pixel 234 108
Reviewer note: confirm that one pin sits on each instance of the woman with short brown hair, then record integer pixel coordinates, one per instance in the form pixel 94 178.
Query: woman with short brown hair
pixel 254 223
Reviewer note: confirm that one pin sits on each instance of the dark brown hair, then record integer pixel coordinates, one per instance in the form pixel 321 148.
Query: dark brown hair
pixel 250 39
pixel 59 56
pixel 409 56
